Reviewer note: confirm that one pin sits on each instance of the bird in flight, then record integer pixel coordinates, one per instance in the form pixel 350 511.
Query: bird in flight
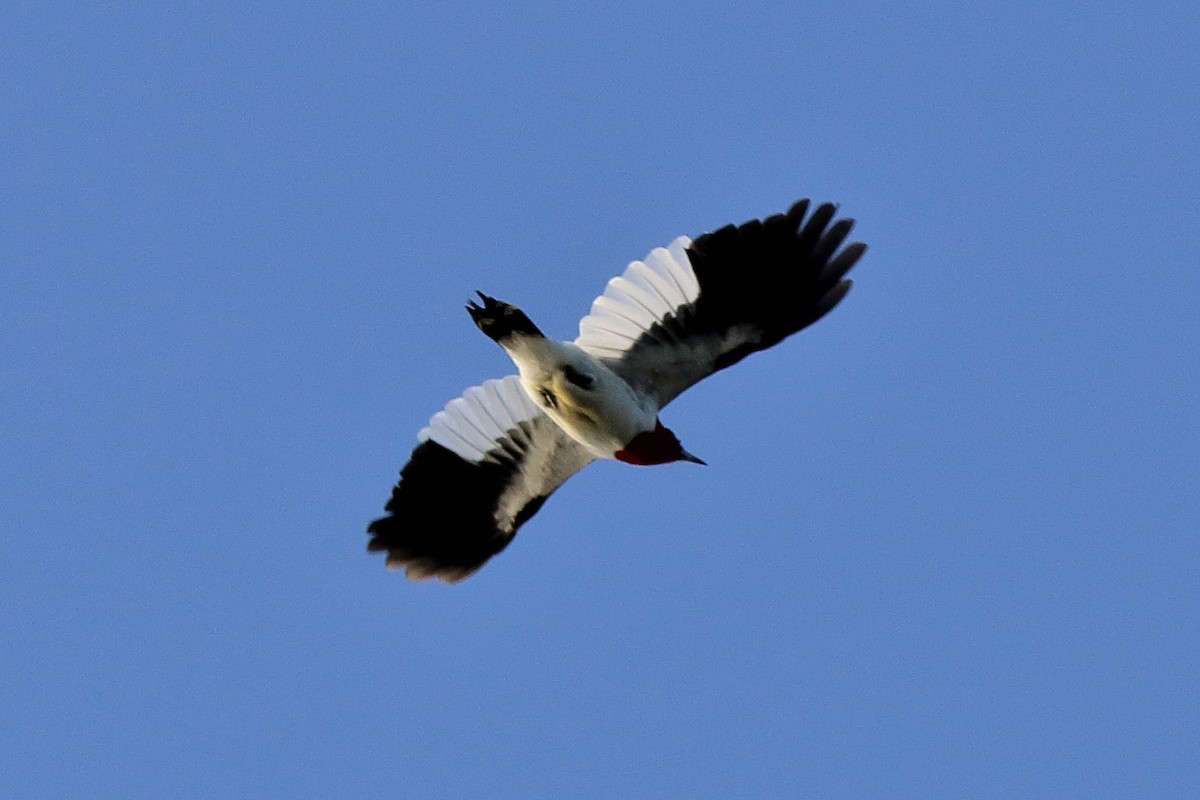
pixel 485 463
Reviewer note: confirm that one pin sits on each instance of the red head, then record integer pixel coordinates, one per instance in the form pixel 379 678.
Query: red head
pixel 659 446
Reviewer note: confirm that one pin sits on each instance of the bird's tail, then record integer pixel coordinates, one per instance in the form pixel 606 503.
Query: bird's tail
pixel 499 320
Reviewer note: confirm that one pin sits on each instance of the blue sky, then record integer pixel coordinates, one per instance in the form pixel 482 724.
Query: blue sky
pixel 947 544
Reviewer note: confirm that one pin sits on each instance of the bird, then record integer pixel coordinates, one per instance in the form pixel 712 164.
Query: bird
pixel 486 463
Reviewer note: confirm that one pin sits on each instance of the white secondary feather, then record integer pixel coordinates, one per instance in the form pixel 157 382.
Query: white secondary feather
pixel 475 424
pixel 638 298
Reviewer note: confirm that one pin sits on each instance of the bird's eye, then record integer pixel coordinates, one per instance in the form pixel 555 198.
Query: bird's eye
pixel 580 379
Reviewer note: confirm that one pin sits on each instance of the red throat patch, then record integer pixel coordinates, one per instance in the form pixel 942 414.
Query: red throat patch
pixel 659 446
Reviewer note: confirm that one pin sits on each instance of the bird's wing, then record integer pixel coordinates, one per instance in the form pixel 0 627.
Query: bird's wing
pixel 485 465
pixel 696 307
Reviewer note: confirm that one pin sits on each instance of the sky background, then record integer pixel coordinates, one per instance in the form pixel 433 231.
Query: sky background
pixel 949 542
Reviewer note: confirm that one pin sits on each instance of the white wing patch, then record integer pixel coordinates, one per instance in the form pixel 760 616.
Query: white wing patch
pixel 638 298
pixel 477 423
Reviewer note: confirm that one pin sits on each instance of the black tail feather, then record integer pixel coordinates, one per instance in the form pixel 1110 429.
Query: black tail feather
pixel 500 320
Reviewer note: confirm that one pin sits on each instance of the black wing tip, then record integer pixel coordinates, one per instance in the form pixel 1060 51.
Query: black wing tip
pixel 500 320
pixel 798 210
pixel 803 247
pixel 423 552
pixel 417 566
pixel 779 274
pixel 441 520
pixel 836 268
pixel 797 223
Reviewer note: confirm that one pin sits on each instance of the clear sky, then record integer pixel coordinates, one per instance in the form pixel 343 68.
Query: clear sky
pixel 948 544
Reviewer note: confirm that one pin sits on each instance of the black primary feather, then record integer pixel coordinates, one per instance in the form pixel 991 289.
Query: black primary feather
pixel 760 282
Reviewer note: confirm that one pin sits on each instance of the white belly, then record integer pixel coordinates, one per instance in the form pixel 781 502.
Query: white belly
pixel 603 417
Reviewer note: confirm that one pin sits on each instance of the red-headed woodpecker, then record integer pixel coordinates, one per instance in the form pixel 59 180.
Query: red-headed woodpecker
pixel 487 462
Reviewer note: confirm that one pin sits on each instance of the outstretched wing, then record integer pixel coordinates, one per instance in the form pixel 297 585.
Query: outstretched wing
pixel 484 466
pixel 696 307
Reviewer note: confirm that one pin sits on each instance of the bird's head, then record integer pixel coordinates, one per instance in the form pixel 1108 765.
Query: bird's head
pixel 659 446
